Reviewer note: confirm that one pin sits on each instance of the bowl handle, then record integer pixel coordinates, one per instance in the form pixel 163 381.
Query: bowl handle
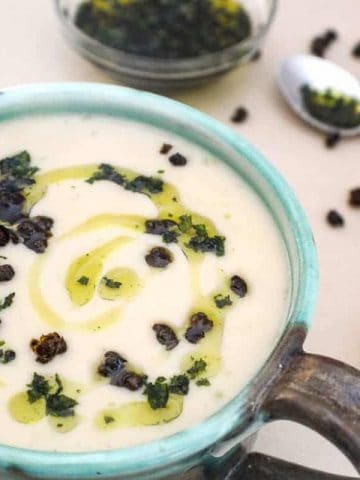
pixel 321 393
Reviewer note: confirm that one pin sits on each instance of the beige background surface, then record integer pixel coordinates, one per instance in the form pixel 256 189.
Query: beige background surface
pixel 32 50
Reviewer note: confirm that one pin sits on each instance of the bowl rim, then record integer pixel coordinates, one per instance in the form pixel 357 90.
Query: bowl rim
pixel 117 56
pixel 199 438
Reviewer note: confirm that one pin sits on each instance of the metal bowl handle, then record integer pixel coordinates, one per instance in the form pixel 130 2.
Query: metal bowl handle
pixel 320 393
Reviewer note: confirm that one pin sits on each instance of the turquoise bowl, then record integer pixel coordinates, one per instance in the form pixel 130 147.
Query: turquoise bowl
pixel 206 445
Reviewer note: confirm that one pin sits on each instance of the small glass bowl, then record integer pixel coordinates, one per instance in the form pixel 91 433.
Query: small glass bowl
pixel 158 74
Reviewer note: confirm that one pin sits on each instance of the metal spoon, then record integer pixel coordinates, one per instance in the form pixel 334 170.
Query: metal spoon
pixel 319 74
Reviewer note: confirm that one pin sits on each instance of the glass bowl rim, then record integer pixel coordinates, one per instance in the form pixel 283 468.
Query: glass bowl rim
pixel 165 65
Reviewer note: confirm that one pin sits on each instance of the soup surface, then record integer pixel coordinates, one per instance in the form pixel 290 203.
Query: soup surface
pixel 142 283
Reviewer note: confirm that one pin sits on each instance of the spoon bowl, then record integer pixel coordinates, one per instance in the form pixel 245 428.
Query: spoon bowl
pixel 320 74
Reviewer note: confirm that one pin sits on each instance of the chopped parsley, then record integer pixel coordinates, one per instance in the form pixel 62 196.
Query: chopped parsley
pixel 83 280
pixel 222 301
pixel 157 393
pixel 110 283
pixel 179 385
pixel 199 366
pixel 185 223
pixel 7 302
pixel 203 382
pixel 106 172
pixel 108 419
pixel 57 404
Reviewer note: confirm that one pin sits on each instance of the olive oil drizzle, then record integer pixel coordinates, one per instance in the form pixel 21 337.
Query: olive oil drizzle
pixel 169 206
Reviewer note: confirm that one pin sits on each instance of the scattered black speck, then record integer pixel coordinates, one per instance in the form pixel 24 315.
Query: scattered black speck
pixel 354 197
pixel 165 149
pixel 4 236
pixel 83 280
pixel 332 139
pixel 165 336
pixel 6 273
pixel 331 35
pixel 335 219
pixel 240 115
pixel 108 419
pixel 238 286
pixel 256 56
pixel 159 257
pixel 177 160
pixel 200 324
pixel 321 43
pixel 356 50
pixel 7 356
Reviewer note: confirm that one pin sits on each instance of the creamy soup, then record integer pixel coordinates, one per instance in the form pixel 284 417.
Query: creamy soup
pixel 143 283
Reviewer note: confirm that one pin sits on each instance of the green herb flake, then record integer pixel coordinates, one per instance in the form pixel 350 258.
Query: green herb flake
pixel 185 223
pixel 108 419
pixel 110 283
pixel 157 393
pixel 106 172
pixel 179 385
pixel 222 301
pixel 203 382
pixel 83 280
pixel 38 388
pixel 199 366
pixel 7 302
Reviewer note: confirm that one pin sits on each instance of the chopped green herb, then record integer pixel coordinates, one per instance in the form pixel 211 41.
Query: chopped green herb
pixel 57 404
pixel 331 107
pixel 38 388
pixel 6 356
pixel 222 301
pixel 108 419
pixel 152 28
pixel 185 223
pixel 143 184
pixel 198 367
pixel 110 283
pixel 83 280
pixel 201 242
pixel 179 385
pixel 18 167
pixel 106 172
pixel 161 171
pixel 157 393
pixel 203 382
pixel 7 302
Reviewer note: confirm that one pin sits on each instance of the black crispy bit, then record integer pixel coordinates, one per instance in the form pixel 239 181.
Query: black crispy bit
pixel 35 232
pixel 108 419
pixel 332 139
pixel 198 367
pixel 222 301
pixel 4 236
pixel 356 50
pixel 6 273
pixel 321 43
pixel 48 346
pixel 11 206
pixel 113 364
pixel 178 160
pixel 335 219
pixel 106 172
pixel 179 385
pixel 7 302
pixel 157 393
pixel 7 356
pixel 19 167
pixel 159 257
pixel 238 286
pixel 165 148
pixel 200 324
pixel 354 197
pixel 165 336
pixel 130 380
pixel 240 115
